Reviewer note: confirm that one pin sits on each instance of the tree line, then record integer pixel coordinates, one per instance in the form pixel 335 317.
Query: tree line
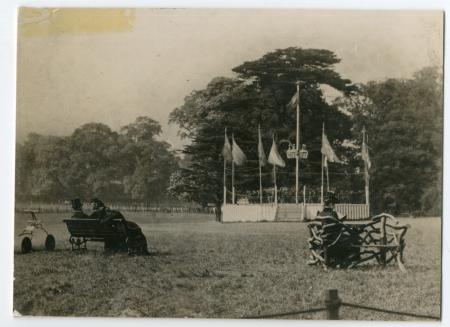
pixel 130 165
pixel 402 117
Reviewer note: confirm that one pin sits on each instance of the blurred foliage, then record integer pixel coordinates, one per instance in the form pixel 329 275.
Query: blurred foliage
pixel 130 165
pixel 403 118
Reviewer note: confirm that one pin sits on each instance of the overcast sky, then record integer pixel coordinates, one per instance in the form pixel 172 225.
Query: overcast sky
pixel 112 66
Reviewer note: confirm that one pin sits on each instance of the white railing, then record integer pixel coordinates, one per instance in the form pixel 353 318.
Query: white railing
pixel 249 212
pixel 268 212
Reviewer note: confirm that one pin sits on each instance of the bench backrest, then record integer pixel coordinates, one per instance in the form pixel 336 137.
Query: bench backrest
pixel 92 228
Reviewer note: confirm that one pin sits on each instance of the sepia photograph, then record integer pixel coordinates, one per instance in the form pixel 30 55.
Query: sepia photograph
pixel 229 163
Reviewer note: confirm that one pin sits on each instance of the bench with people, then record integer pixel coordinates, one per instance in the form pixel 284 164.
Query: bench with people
pixel 104 225
pixel 336 243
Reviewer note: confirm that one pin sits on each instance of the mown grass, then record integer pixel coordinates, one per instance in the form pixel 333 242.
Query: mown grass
pixel 201 268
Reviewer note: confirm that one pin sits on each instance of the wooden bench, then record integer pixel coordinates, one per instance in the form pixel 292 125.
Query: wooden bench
pixel 83 230
pixel 334 243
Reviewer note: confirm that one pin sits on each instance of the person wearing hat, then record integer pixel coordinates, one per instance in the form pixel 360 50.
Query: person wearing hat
pixel 136 242
pixel 77 207
pixel 99 210
pixel 328 212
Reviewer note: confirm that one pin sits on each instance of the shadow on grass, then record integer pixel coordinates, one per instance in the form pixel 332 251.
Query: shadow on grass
pixel 159 253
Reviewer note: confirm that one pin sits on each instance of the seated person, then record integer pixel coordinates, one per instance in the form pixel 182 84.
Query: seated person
pixel 103 213
pixel 77 207
pixel 328 212
pixel 136 242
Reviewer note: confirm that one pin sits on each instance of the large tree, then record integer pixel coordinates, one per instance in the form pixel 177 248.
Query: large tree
pixel 259 96
pixel 403 118
pixel 148 161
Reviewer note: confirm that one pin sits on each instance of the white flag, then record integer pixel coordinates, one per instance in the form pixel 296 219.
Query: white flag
pixel 294 101
pixel 261 154
pixel 327 150
pixel 226 150
pixel 274 157
pixel 239 157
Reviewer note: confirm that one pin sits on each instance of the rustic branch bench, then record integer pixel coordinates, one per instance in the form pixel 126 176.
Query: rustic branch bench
pixel 83 230
pixel 334 243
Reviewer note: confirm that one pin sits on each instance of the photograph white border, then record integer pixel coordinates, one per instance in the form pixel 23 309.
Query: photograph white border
pixel 8 35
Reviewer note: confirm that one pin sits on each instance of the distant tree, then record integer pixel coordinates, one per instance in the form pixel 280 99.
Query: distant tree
pixel 94 157
pixel 403 118
pixel 41 162
pixel 96 161
pixel 149 162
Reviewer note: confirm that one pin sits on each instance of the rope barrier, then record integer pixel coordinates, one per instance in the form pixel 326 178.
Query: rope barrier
pixel 400 313
pixel 285 313
pixel 333 303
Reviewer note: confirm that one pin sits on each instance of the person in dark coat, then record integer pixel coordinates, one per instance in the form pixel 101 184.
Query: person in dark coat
pixel 328 210
pixel 135 242
pixel 77 207
pixel 337 251
pixel 98 209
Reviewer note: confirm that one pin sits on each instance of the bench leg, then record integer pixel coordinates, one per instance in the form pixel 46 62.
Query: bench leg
pixel 78 243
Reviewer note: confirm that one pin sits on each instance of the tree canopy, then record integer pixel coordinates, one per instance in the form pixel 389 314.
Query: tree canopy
pixel 129 165
pixel 403 118
pixel 259 96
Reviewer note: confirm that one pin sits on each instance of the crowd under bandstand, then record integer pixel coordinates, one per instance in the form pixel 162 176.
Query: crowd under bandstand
pixel 289 203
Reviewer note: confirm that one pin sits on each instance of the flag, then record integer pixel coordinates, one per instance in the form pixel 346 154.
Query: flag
pixel 226 151
pixel 365 154
pixel 261 154
pixel 327 150
pixel 238 155
pixel 294 101
pixel 274 157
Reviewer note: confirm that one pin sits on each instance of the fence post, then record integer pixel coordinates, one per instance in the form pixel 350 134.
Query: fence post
pixel 332 303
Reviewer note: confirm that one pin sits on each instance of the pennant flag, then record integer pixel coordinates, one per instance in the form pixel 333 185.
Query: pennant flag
pixel 261 154
pixel 274 157
pixel 327 150
pixel 226 151
pixel 365 154
pixel 238 155
pixel 294 101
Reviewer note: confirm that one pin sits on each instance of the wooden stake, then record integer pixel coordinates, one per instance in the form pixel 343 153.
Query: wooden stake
pixel 332 303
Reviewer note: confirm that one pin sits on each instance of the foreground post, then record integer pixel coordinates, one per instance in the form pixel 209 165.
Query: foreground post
pixel 297 143
pixel 332 303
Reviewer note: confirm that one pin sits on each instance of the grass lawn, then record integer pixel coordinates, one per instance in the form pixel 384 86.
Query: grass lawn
pixel 204 269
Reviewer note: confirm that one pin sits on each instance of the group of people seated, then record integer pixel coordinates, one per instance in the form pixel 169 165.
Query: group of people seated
pixel 135 240
pixel 99 211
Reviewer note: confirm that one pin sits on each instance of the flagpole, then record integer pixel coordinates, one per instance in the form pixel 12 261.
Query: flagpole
pixel 328 176
pixel 321 186
pixel 297 142
pixel 304 203
pixel 275 184
pixel 232 175
pixel 225 174
pixel 366 173
pixel 260 180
